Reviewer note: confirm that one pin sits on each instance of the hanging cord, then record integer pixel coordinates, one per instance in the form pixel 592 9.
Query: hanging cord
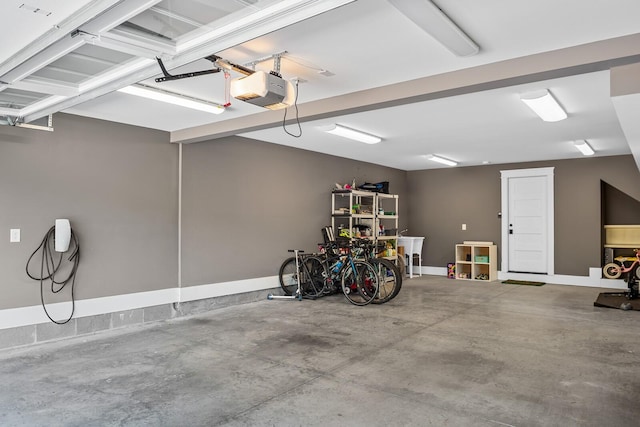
pixel 295 104
pixel 53 266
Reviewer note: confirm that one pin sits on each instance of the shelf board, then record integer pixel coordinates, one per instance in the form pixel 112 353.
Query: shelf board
pixel 387 196
pixel 347 215
pixel 354 192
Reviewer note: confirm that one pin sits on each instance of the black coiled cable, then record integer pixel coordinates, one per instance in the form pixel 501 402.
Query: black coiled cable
pixel 52 266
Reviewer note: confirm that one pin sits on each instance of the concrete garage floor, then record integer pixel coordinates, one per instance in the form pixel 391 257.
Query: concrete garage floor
pixel 443 353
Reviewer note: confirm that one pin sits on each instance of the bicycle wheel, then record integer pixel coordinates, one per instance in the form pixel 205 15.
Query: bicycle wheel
pixel 314 277
pixel 360 287
pixel 612 270
pixel 288 276
pixel 389 280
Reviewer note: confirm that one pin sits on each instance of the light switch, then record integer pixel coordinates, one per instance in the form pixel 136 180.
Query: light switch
pixel 15 235
pixel 464 227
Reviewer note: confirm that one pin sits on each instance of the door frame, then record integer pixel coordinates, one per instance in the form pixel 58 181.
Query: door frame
pixel 525 173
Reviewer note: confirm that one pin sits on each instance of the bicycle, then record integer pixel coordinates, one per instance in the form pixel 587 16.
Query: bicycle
pixel 389 275
pixel 614 270
pixel 321 274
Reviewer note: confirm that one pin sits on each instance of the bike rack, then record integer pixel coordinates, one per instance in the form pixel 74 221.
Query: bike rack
pixel 298 294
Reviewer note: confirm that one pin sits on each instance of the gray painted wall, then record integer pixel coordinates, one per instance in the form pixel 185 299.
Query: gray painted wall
pixel 443 199
pixel 618 207
pixel 246 202
pixel 118 186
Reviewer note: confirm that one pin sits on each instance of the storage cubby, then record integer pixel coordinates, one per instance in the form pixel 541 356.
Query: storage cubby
pixel 476 261
pixel 463 270
pixel 463 253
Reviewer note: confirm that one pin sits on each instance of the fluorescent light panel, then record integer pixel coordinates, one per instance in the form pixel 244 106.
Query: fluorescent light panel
pixel 442 160
pixel 544 105
pixel 584 148
pixel 170 98
pixel 356 135
pixel 434 22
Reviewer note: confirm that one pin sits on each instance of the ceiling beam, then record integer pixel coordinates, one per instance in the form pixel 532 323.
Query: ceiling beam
pixel 625 95
pixel 591 57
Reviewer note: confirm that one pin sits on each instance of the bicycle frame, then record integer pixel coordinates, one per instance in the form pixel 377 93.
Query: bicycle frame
pixel 613 270
pixel 348 268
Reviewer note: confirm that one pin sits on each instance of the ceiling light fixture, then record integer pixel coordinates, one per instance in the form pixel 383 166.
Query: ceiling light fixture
pixel 433 21
pixel 442 160
pixel 172 98
pixel 356 135
pixel 544 105
pixel 584 148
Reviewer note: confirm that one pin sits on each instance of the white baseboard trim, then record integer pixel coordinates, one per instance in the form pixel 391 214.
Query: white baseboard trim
pixel 434 271
pixel 32 315
pixel 593 280
pixel 193 293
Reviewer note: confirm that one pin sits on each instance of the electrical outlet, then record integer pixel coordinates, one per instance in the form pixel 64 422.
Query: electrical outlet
pixel 14 235
pixel 464 227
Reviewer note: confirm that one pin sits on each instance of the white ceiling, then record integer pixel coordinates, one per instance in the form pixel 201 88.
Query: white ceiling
pixel 368 44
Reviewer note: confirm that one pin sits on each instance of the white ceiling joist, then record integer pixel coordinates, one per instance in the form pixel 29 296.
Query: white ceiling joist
pixel 237 31
pixel 51 88
pixel 56 33
pixel 106 21
pixel 42 59
pixel 117 15
pixel 145 44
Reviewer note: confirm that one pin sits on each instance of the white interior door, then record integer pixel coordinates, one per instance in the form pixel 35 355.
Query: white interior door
pixel 528 221
pixel 527 225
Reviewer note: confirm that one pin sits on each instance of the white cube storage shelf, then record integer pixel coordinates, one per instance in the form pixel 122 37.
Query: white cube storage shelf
pixel 476 261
